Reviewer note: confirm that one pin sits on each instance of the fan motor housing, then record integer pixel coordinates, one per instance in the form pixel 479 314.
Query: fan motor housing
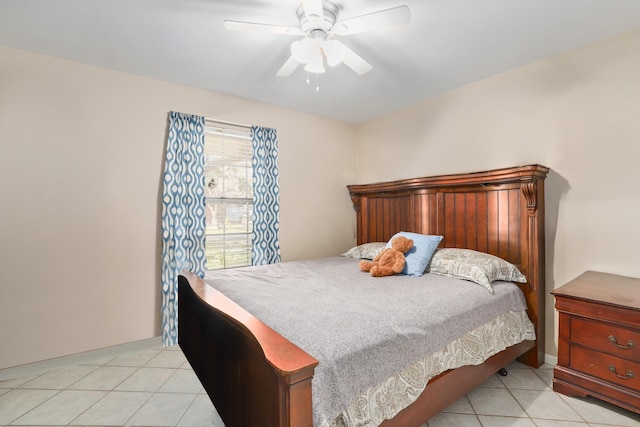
pixel 311 25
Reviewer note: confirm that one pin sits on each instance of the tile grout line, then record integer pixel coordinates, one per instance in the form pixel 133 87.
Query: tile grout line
pixel 83 358
pixel 59 391
pixel 195 396
pixel 154 393
pixel 546 390
pixel 151 394
pixel 32 409
pixel 106 391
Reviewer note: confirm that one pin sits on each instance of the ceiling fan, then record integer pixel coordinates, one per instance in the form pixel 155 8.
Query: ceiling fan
pixel 318 24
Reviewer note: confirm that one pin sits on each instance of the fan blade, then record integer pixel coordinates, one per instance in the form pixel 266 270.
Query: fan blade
pixel 400 15
pixel 355 62
pixel 264 28
pixel 313 7
pixel 288 68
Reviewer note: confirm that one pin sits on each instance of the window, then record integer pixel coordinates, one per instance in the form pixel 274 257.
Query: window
pixel 229 196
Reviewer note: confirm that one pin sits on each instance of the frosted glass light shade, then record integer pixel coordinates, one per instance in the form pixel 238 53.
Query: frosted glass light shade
pixel 316 64
pixel 303 50
pixel 335 52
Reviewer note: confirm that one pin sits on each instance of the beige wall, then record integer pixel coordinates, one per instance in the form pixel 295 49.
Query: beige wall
pixel 80 180
pixel 81 163
pixel 577 113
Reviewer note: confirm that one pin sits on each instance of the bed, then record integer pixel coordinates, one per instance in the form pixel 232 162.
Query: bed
pixel 257 377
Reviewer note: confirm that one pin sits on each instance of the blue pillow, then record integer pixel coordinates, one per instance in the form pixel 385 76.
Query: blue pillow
pixel 418 257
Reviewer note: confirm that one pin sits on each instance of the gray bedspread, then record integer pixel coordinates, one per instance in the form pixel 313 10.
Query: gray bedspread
pixel 361 329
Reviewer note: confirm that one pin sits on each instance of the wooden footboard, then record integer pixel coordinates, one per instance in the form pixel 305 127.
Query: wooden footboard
pixel 253 375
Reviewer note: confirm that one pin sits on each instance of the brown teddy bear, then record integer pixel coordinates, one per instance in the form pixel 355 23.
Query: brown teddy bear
pixel 390 261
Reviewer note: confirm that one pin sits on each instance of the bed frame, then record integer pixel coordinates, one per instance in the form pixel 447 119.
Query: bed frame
pixel 255 377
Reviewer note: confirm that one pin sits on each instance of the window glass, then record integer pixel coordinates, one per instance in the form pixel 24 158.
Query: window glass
pixel 229 197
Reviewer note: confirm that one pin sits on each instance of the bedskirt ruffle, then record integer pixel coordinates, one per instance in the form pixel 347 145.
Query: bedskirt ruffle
pixel 386 400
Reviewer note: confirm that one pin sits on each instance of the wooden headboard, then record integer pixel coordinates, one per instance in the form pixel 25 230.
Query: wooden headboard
pixel 500 212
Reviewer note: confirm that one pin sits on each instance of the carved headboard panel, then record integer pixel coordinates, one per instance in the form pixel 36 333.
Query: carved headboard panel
pixel 500 212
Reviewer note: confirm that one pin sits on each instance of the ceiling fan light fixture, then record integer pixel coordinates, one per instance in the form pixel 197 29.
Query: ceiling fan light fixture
pixel 316 64
pixel 303 50
pixel 335 52
pixel 312 68
pixel 318 22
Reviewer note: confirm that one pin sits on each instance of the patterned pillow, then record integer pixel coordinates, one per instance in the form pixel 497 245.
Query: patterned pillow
pixel 365 251
pixel 475 266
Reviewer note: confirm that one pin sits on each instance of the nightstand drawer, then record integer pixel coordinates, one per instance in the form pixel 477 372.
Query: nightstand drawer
pixel 609 368
pixel 606 337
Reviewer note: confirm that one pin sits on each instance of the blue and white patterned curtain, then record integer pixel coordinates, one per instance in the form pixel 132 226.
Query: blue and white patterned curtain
pixel 266 197
pixel 183 213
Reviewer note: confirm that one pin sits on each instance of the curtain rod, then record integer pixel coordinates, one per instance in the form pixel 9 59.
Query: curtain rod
pixel 222 122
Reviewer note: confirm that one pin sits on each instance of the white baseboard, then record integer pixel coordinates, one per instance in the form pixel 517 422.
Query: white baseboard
pixel 551 360
pixel 79 358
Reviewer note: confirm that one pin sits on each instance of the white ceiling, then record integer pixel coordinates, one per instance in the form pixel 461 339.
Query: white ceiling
pixel 448 43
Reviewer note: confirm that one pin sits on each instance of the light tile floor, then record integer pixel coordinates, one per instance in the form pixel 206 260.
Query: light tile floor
pixel 157 387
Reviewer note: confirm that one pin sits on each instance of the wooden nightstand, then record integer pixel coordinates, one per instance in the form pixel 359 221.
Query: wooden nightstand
pixel 599 339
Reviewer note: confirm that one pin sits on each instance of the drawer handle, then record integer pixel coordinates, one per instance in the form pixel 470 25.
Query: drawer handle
pixel 629 375
pixel 630 343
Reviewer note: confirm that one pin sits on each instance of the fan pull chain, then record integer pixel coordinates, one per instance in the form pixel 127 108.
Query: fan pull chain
pixel 317 81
